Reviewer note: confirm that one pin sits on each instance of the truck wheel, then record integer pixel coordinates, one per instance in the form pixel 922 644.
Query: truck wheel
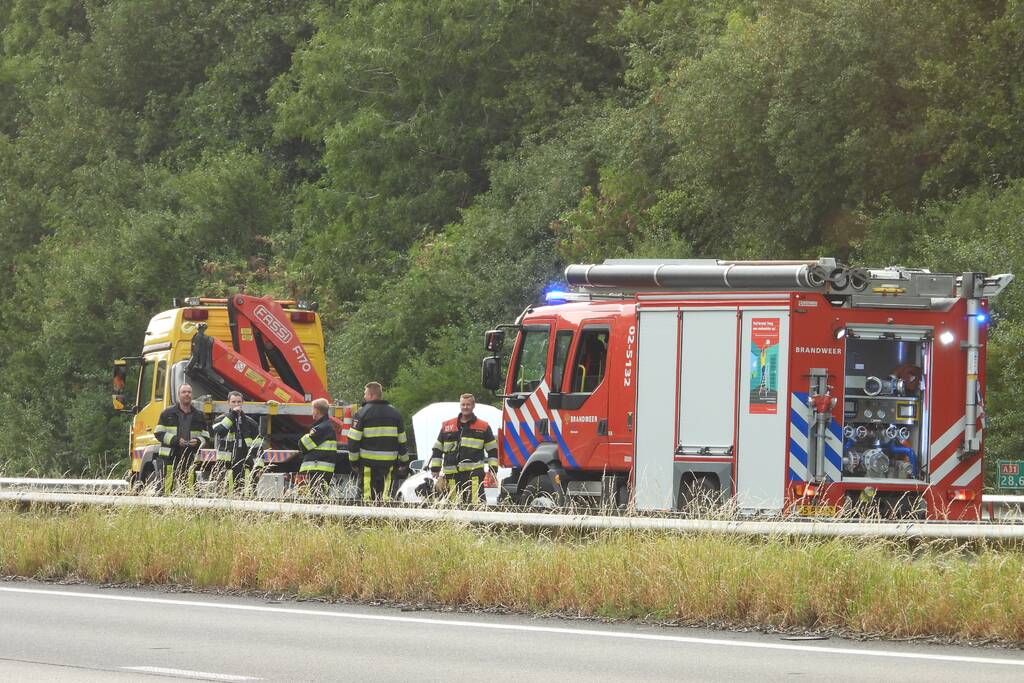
pixel 698 493
pixel 539 493
pixel 146 480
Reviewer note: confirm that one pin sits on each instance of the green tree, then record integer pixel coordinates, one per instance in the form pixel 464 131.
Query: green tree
pixel 426 169
pixel 409 100
pixel 480 271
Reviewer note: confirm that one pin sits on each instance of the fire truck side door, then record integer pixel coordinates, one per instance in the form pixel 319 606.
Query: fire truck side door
pixel 761 457
pixel 657 370
pixel 707 383
pixel 583 411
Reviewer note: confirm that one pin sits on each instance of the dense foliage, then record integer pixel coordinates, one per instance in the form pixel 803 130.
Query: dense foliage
pixel 423 168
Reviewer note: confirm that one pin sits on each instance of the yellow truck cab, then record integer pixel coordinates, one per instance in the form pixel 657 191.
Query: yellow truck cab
pixel 166 350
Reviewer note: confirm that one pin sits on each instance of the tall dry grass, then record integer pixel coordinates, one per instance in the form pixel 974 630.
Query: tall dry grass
pixel 872 587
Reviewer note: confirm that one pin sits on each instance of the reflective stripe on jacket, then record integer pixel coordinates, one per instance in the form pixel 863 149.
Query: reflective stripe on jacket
pixel 225 431
pixel 319 447
pixel 377 435
pixel 166 430
pixel 464 446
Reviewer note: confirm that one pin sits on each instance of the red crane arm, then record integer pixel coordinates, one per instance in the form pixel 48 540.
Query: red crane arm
pixel 261 330
pixel 256 383
pixel 260 321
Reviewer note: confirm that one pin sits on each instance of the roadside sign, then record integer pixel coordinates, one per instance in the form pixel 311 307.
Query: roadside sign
pixel 1011 474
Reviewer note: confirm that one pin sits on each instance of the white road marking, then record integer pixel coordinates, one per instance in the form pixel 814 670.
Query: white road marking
pixel 456 623
pixel 185 673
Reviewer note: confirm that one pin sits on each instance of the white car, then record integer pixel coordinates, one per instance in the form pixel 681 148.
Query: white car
pixel 418 487
pixel 427 424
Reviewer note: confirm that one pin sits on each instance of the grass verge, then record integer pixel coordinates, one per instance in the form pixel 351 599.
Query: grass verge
pixel 874 587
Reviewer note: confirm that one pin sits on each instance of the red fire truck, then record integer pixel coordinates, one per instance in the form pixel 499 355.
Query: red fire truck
pixel 803 387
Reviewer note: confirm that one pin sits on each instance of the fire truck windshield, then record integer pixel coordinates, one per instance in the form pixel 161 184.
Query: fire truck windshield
pixel 531 364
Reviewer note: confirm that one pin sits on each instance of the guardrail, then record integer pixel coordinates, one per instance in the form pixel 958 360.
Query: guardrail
pixel 998 506
pixel 958 531
pixel 994 507
pixel 24 483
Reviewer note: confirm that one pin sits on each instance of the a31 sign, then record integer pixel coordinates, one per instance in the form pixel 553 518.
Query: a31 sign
pixel 1011 474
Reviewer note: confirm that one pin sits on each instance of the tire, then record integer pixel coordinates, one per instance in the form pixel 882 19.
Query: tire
pixel 698 493
pixel 426 490
pixel 146 481
pixel 539 493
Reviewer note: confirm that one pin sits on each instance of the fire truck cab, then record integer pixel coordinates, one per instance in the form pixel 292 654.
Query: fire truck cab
pixel 800 387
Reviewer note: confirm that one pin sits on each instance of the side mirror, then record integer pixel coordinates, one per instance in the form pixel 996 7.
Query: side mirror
pixel 494 340
pixel 416 465
pixel 120 377
pixel 119 383
pixel 490 373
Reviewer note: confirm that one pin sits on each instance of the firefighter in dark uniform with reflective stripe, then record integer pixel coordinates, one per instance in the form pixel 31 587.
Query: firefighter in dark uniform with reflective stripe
pixel 237 437
pixel 319 450
pixel 464 448
pixel 181 431
pixel 376 445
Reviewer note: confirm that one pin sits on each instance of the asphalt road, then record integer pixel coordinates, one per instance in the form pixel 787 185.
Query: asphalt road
pixel 75 633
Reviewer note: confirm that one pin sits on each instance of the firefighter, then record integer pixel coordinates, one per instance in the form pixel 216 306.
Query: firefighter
pixel 464 448
pixel 377 445
pixel 319 450
pixel 237 437
pixel 181 431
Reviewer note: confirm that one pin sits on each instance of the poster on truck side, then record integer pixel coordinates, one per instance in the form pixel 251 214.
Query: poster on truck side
pixel 764 366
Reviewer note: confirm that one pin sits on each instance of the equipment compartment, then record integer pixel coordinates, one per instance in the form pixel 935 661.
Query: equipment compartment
pixel 884 404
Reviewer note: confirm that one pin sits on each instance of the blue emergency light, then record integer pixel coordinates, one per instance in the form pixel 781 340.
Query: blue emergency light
pixel 556 296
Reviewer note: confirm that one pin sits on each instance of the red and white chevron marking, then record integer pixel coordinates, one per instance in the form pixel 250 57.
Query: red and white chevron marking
pixel 536 408
pixel 947 470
